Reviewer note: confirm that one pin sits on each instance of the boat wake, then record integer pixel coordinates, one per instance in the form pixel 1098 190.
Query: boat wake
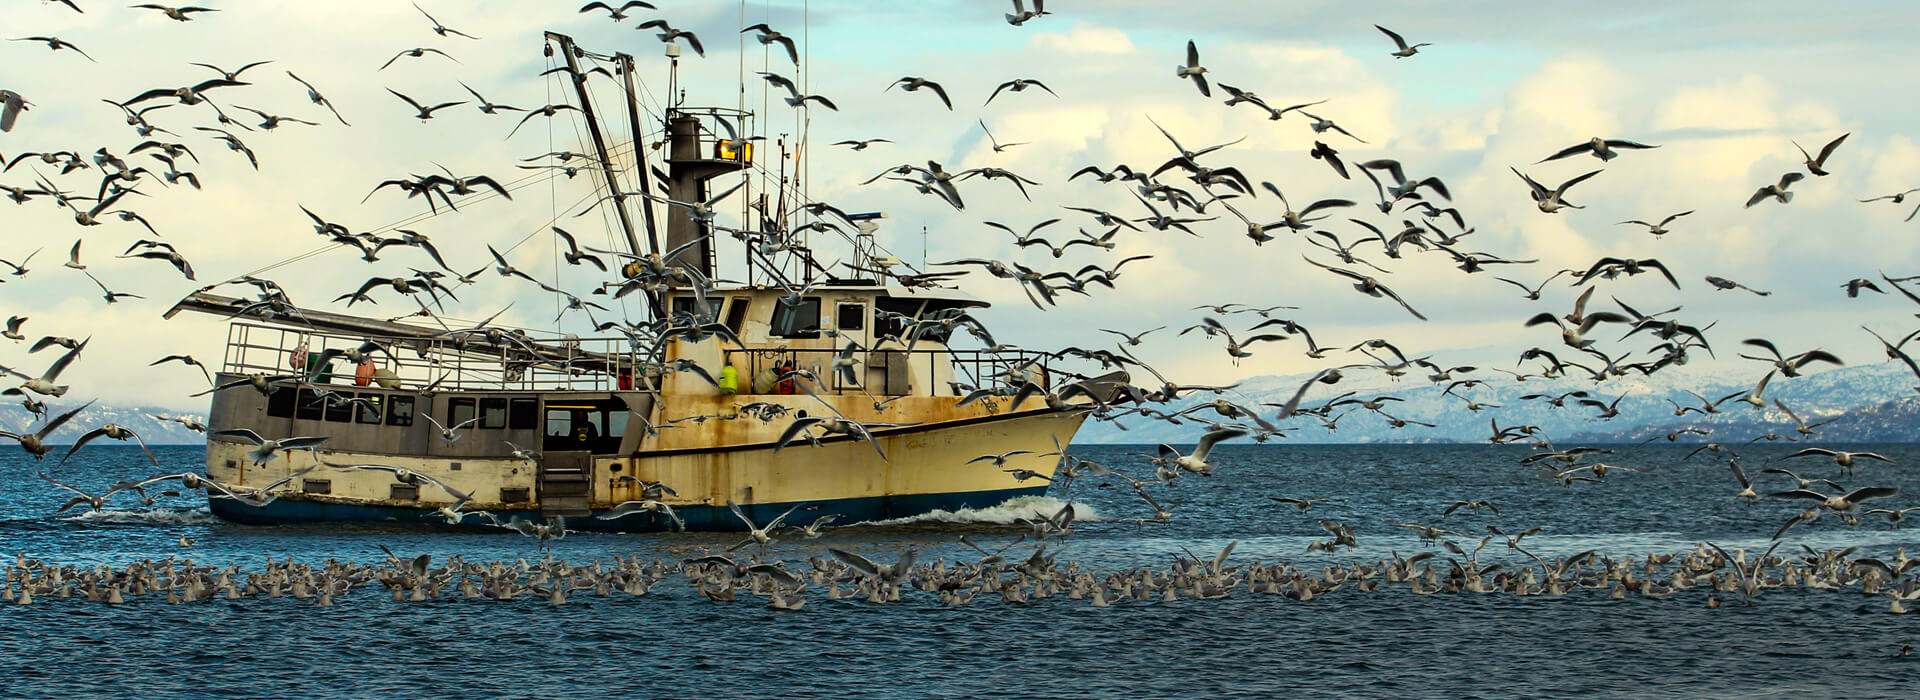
pixel 1009 512
pixel 156 516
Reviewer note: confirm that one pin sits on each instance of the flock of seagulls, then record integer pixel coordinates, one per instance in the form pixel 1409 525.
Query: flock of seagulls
pixel 1706 572
pixel 1174 198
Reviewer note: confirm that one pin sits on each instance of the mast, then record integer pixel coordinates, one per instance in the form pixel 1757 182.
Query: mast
pixel 633 127
pixel 600 142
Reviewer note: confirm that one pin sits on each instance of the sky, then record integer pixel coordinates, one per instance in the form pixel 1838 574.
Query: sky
pixel 1724 89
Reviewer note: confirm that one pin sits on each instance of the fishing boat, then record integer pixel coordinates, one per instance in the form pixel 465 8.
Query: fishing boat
pixel 796 388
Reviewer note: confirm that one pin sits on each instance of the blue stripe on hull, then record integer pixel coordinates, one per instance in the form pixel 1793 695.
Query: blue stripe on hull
pixel 700 518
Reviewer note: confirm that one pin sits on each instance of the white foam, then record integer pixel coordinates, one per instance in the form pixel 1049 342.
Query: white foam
pixel 1006 513
pixel 157 516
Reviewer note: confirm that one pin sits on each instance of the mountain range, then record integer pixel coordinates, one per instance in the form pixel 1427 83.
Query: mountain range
pixel 1867 403
pixel 15 419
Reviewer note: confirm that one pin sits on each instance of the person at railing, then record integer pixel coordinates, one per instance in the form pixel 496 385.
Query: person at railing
pixel 298 358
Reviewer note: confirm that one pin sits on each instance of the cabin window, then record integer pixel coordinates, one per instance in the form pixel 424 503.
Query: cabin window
pixel 595 426
pixel 280 402
pixel 691 304
pixel 339 407
pixel 400 411
pixel 369 412
pixel 309 405
pixel 459 411
pixel 796 321
pixel 893 327
pixel 737 315
pixel 852 317
pixel 493 413
pixel 523 414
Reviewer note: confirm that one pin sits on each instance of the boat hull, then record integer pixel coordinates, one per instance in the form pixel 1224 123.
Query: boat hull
pixel 926 467
pixel 293 510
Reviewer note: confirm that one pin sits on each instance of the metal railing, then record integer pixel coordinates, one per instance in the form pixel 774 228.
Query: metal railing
pixel 587 364
pixel 976 368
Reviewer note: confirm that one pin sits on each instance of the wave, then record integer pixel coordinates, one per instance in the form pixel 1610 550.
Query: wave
pixel 1008 512
pixel 156 516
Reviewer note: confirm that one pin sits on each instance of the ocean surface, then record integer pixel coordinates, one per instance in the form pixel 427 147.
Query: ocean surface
pixel 675 642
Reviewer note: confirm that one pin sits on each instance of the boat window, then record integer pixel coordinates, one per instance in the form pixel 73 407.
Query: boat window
pixel 280 402
pixel 801 321
pixel 339 407
pixel 459 411
pixel 309 405
pixel 737 315
pixel 523 414
pixel 852 317
pixel 369 412
pixel 493 413
pixel 691 304
pixel 559 422
pixel 595 426
pixel 400 411
pixel 893 327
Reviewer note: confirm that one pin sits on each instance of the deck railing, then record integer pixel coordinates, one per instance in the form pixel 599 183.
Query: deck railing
pixel 603 364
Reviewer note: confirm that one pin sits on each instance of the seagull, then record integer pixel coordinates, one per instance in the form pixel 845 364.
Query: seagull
pixel 997 146
pixel 755 533
pixel 860 145
pixel 1021 15
pixel 613 13
pixel 1844 459
pixel 1302 504
pixel 230 75
pixel 912 84
pixel 769 36
pixel 1599 147
pixel 317 98
pixel 886 573
pixel 1193 69
pixel 547 111
pixel 43 384
pixel 1018 85
pixel 13 329
pixel 416 53
pixel 35 443
pixel 177 14
pixel 425 112
pixel 439 28
pixel 1839 502
pixel 1321 125
pixel 185 360
pixel 668 35
pixel 643 506
pixel 1817 166
pixel 1196 462
pixel 111 430
pixel 1549 201
pixel 1659 229
pixel 452 434
pixel 1369 286
pixel 56 43
pixel 1469 505
pixel 266 448
pixel 1404 51
pixel 795 99
pixel 1778 190
pixel 11 105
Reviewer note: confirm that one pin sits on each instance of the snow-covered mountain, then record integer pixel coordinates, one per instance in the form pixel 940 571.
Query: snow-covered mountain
pixel 1868 403
pixel 15 419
